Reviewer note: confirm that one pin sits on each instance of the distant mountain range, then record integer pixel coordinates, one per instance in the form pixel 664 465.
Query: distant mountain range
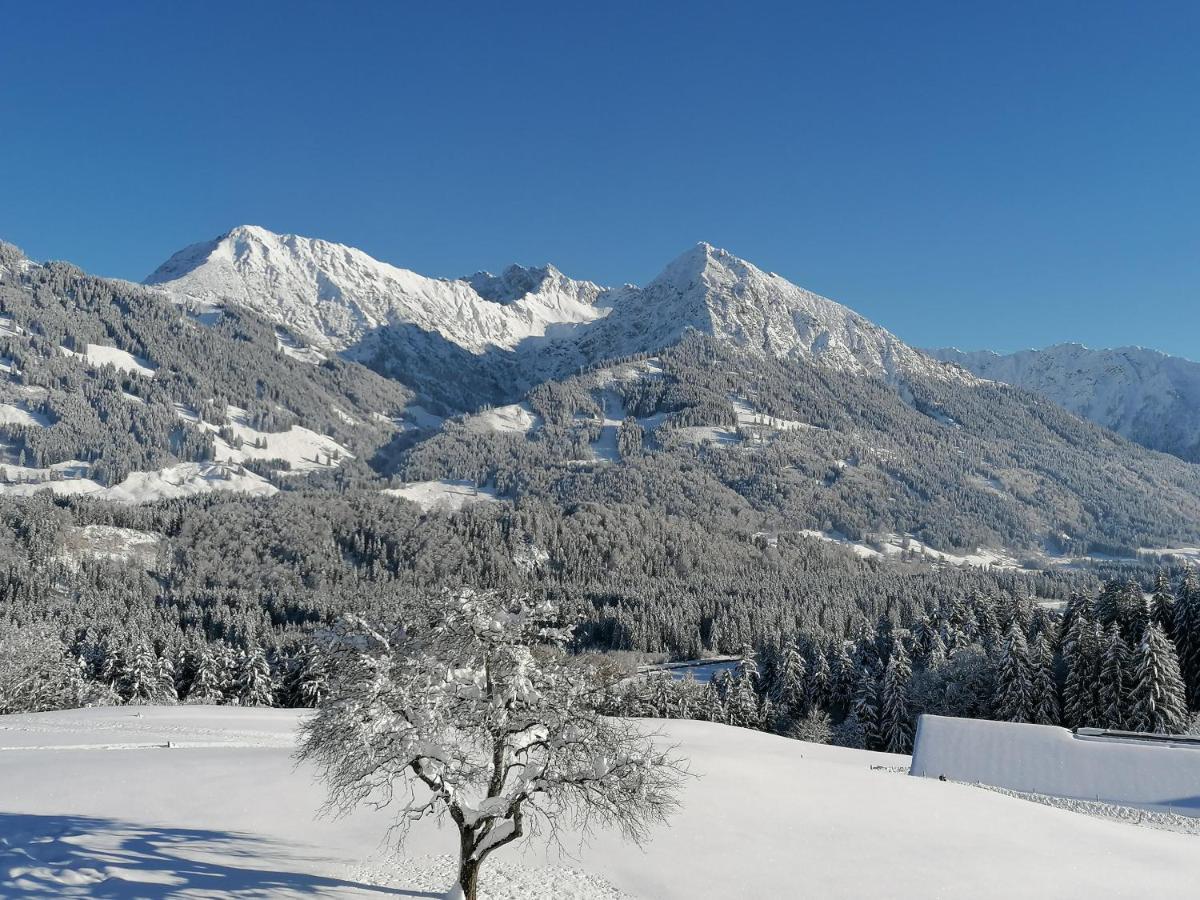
pixel 1147 396
pixel 498 336
pixel 718 394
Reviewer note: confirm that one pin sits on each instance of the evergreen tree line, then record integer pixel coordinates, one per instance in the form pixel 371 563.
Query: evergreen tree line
pixel 1115 660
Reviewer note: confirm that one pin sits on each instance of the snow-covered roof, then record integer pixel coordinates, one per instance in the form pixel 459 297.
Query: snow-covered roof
pixel 1129 770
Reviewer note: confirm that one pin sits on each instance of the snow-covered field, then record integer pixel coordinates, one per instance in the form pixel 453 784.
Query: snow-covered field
pixel 95 804
pixel 97 355
pixel 442 495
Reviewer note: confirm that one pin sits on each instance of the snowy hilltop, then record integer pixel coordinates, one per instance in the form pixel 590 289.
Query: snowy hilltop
pixel 1147 396
pixel 532 322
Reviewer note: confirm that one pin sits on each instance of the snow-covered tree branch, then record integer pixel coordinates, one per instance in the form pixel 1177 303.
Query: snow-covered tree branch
pixel 471 710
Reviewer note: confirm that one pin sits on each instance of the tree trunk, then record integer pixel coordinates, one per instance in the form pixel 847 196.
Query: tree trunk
pixel 468 865
pixel 468 879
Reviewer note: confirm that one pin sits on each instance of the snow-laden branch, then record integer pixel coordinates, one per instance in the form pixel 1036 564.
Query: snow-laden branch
pixel 471 710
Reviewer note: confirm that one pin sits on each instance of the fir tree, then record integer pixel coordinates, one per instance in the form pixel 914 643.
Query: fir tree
pixel 1114 680
pixel 895 715
pixel 1014 680
pixel 820 681
pixel 742 704
pixel 1187 635
pixel 206 681
pixel 1083 656
pixel 866 710
pixel 1162 605
pixel 139 678
pixel 253 678
pixel 1046 709
pixel 1157 702
pixel 789 687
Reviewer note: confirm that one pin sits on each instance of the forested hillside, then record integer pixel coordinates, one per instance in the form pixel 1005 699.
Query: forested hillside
pixel 188 494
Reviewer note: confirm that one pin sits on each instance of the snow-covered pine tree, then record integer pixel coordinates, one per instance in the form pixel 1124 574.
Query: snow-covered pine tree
pixel 1083 657
pixel 820 681
pixel 1157 701
pixel 743 703
pixel 844 685
pixel 206 676
pixel 1046 709
pixel 896 728
pixel 165 668
pixel 311 677
pixel 789 688
pixel 712 706
pixel 139 678
pixel 1162 605
pixel 1114 679
pixel 866 709
pixel 1187 635
pixel 1014 699
pixel 253 678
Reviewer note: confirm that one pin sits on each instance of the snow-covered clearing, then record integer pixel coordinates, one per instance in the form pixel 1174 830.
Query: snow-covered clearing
pixel 186 480
pixel 20 414
pixel 516 418
pixel 303 449
pixel 97 355
pixel 180 480
pixel 885 546
pixel 109 542
pixel 443 495
pixel 289 346
pixel 225 813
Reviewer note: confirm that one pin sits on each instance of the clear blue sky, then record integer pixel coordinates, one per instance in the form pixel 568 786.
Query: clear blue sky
pixel 988 175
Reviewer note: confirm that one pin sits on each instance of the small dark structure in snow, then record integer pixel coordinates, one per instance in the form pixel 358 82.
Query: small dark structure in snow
pixel 1150 771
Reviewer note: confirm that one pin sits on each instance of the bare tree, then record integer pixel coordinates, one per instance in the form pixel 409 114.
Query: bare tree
pixel 472 710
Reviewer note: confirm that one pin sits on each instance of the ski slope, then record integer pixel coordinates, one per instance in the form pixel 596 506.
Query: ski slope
pixel 97 805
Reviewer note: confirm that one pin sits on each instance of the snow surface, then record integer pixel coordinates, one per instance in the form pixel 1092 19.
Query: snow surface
pixel 97 805
pixel 442 495
pixel 20 414
pixel 187 480
pixel 516 418
pixel 303 449
pixel 180 480
pixel 98 355
pixel 1049 760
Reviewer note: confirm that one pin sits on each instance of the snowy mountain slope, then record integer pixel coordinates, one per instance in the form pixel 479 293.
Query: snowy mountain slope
pixel 334 296
pixel 716 293
pixel 107 389
pixel 509 332
pixel 96 806
pixel 1149 397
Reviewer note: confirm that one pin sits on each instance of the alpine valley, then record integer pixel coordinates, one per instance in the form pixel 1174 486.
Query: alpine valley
pixel 274 429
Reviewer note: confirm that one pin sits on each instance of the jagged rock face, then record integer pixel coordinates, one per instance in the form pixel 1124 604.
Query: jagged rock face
pixel 527 323
pixel 1147 396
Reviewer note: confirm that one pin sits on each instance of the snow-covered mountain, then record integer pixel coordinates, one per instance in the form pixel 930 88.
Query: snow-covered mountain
pixel 334 296
pixel 532 323
pixel 1147 396
pixel 714 292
